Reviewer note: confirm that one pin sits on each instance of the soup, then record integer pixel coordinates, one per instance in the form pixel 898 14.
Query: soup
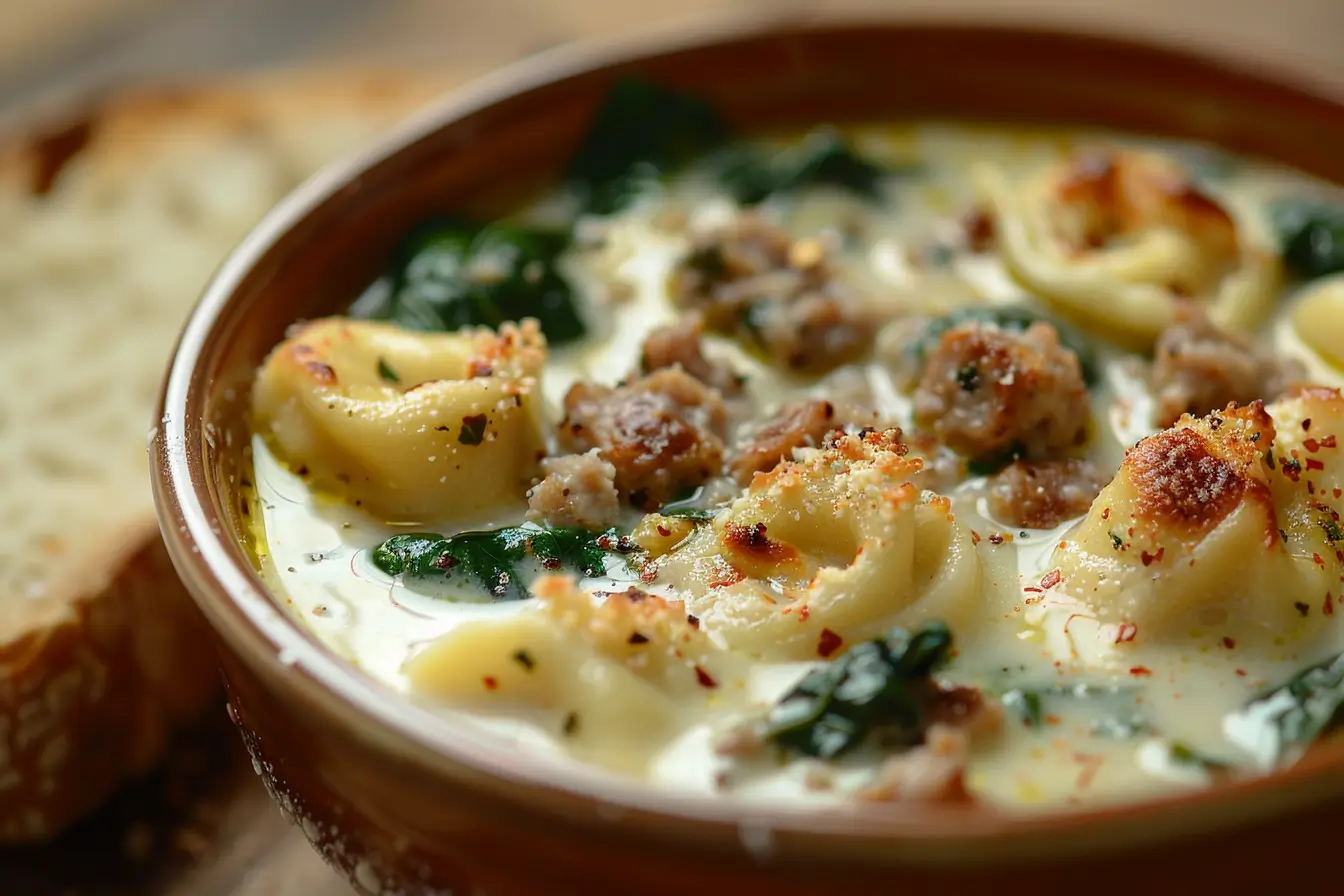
pixel 918 462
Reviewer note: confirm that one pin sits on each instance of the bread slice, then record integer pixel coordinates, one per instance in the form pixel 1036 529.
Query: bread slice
pixel 109 227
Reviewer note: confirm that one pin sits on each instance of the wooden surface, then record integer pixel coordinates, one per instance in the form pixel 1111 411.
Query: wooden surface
pixel 204 827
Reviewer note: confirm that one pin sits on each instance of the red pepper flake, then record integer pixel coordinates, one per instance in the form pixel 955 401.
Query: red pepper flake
pixel 803 612
pixel 996 538
pixel 1106 513
pixel 1052 578
pixel 1291 468
pixel 693 621
pixel 1314 464
pixel 830 642
pixel 1318 559
pixel 1148 559
pixel 1338 492
pixel 730 576
pixel 1140 671
pixel 663 530
pixel 1329 442
pixel 1328 608
pixel 1228 642
pixel 704 678
pixel 1306 427
pixel 975 537
pixel 1125 632
pixel 490 682
pixel 637 638
pixel 1312 445
pixel 1033 589
pixel 1091 764
pixel 1241 672
pixel 1069 621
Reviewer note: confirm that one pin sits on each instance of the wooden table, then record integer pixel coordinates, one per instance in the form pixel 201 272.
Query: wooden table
pixel 204 827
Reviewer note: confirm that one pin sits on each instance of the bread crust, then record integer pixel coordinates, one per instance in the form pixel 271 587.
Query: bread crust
pixel 96 674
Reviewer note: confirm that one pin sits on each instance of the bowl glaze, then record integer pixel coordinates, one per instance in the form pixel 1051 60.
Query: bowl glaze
pixel 402 800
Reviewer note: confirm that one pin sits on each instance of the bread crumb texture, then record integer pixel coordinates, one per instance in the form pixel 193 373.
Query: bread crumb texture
pixel 110 224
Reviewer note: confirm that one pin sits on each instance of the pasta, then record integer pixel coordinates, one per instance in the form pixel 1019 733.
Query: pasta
pixel 841 540
pixel 410 426
pixel 1113 237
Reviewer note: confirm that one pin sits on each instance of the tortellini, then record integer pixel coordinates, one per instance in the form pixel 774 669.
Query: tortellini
pixel 411 427
pixel 1319 319
pixel 826 550
pixel 1114 237
pixel 618 674
pixel 1233 516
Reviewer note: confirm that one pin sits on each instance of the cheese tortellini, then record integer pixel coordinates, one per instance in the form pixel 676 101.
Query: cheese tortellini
pixel 825 550
pixel 617 674
pixel 409 426
pixel 1113 237
pixel 1232 516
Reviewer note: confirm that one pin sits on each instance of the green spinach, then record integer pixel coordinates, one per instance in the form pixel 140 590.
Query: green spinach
pixel 1311 236
pixel 447 275
pixel 878 687
pixel 821 158
pixel 491 559
pixel 1032 705
pixel 1281 721
pixel 641 133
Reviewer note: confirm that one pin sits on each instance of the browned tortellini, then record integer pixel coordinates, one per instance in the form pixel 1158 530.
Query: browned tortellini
pixel 1112 236
pixel 1234 515
pixel 410 426
pixel 827 549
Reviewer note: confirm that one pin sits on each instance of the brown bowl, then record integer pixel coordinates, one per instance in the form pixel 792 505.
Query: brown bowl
pixel 405 801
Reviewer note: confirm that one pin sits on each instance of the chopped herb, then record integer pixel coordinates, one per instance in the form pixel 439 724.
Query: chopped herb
pixel 570 726
pixel 1116 541
pixel 641 133
pixel 524 659
pixel 1181 754
pixel 386 372
pixel 822 158
pixel 1015 318
pixel 490 558
pixel 968 378
pixel 447 275
pixel 1311 236
pixel 1332 531
pixel 877 688
pixel 1026 704
pixel 473 429
pixel 1282 721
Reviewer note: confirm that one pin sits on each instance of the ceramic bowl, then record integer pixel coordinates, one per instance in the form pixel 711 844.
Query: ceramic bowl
pixel 402 800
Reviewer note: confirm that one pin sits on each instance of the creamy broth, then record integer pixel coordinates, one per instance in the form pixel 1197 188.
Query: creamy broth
pixel 1092 710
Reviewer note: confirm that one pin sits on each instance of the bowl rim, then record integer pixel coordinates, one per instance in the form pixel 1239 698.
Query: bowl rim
pixel 255 627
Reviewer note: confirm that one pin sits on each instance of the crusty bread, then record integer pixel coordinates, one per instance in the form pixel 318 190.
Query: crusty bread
pixel 109 227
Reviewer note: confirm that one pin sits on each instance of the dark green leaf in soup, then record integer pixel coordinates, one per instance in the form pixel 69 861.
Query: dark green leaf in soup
pixel 822 158
pixel 1282 721
pixel 879 688
pixel 448 275
pixel 1311 236
pixel 641 133
pixel 1016 318
pixel 1109 709
pixel 497 560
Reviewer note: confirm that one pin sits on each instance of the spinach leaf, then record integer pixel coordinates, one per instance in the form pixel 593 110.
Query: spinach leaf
pixel 641 133
pixel 491 558
pixel 877 688
pixel 1311 236
pixel 821 158
pixel 1015 318
pixel 1281 721
pixel 447 275
pixel 1032 705
pixel 1182 754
